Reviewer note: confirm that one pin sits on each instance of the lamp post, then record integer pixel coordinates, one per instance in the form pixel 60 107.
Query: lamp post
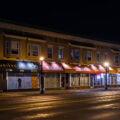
pixel 106 64
pixel 41 76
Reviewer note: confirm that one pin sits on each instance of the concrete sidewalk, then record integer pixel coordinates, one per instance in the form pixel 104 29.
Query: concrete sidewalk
pixel 52 92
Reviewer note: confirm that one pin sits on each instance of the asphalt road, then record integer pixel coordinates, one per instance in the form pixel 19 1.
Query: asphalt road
pixel 72 105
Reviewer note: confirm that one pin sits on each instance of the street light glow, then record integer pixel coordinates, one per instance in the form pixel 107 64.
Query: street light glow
pixel 106 64
pixel 41 58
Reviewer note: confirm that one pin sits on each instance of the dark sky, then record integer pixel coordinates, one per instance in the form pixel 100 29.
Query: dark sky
pixel 96 20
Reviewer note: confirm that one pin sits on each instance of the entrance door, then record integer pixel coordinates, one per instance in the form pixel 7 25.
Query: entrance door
pixel 92 80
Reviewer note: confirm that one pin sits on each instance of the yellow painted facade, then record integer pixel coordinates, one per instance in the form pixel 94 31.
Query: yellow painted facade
pixel 56 40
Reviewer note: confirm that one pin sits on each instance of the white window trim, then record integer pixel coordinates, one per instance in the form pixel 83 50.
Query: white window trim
pixel 18 48
pixel 38 49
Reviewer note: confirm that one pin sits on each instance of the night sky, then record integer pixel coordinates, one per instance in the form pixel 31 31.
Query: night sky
pixel 90 19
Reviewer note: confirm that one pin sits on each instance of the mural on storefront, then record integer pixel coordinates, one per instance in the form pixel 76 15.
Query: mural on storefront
pixel 18 80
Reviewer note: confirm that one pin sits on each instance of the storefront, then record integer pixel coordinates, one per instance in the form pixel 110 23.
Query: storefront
pixel 52 75
pixel 19 75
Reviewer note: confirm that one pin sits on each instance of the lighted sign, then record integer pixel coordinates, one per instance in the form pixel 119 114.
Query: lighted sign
pixel 26 66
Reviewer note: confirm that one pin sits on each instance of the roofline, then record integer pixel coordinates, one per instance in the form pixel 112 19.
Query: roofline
pixel 9 26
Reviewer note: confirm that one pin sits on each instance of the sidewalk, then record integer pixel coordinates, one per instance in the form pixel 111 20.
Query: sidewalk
pixel 52 92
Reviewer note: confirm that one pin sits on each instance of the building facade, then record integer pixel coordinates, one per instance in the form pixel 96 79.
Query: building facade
pixel 69 61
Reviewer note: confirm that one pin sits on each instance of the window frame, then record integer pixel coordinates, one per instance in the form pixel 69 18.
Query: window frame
pixel 60 56
pixel 51 47
pixel 37 51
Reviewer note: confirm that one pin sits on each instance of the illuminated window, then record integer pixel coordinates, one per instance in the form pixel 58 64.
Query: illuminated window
pixel 60 53
pixel 35 50
pixel 50 52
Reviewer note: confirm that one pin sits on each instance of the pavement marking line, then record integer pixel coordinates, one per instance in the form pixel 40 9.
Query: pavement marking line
pixel 42 104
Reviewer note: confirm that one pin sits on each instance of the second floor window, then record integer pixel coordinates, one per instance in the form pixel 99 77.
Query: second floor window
pixel 105 56
pixel 28 50
pixel 35 50
pixel 77 54
pixel 98 57
pixel 116 59
pixel 89 55
pixel 15 47
pixel 72 54
pixel 12 47
pixel 60 53
pixel 50 52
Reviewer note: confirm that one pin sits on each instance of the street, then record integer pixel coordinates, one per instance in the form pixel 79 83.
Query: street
pixel 61 105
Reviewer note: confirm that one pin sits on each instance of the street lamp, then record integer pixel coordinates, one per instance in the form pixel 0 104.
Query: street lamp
pixel 41 76
pixel 106 64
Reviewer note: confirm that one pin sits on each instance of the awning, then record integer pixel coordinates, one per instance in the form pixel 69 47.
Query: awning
pixel 7 65
pixel 112 70
pixel 68 68
pixel 102 69
pixel 83 69
pixel 52 67
pixel 95 69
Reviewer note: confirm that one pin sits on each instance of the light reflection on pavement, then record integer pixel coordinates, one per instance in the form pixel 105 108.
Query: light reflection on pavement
pixel 98 105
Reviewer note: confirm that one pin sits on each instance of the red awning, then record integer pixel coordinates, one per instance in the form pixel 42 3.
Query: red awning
pixel 101 68
pixel 83 69
pixel 95 69
pixel 52 67
pixel 67 68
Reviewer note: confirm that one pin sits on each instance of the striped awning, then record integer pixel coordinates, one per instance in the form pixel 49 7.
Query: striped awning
pixel 68 68
pixel 51 67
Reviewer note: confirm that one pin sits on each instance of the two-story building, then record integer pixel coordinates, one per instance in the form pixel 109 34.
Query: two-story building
pixel 69 61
